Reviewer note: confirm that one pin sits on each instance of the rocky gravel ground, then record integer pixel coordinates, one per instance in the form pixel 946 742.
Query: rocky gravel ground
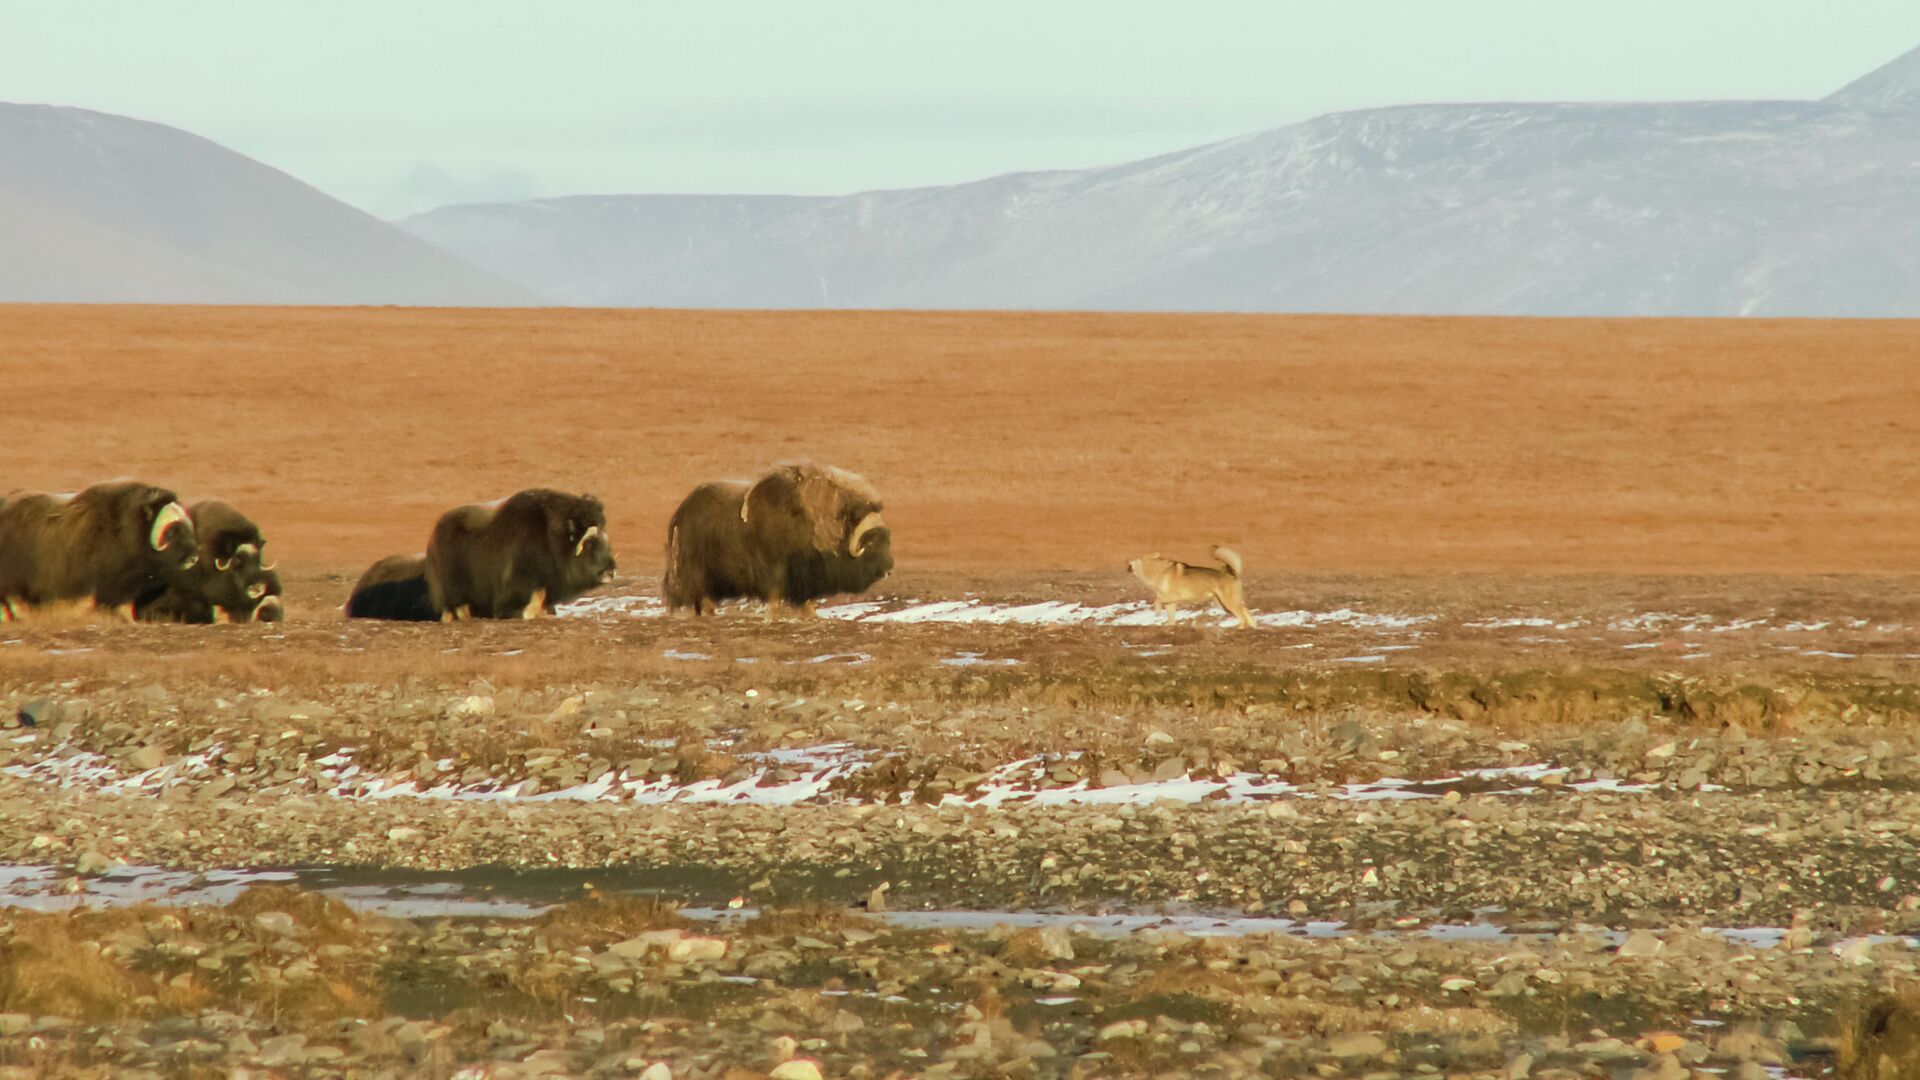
pixel 1476 854
pixel 284 982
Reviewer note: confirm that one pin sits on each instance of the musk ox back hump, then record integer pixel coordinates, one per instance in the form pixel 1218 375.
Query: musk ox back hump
pixel 520 556
pixel 394 588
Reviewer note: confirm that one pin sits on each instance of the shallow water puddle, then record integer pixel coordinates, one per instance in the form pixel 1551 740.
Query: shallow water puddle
pixel 499 894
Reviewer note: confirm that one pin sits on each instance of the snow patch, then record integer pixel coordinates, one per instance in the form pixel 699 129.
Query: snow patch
pixel 974 659
pixel 636 607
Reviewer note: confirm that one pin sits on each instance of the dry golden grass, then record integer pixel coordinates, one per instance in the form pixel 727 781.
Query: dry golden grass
pixel 1014 441
pixel 1880 1040
pixel 600 919
pixel 789 920
pixel 56 965
pixel 319 919
pixel 96 965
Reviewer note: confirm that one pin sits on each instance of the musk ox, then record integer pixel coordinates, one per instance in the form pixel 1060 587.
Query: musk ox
pixel 233 581
pixel 111 545
pixel 518 558
pixel 394 588
pixel 798 534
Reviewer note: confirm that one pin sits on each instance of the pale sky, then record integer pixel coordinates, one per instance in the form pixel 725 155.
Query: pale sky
pixel 402 105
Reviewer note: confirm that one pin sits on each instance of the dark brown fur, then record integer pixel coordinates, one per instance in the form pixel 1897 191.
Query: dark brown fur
pixel 785 539
pixel 95 545
pixel 519 557
pixel 233 581
pixel 394 588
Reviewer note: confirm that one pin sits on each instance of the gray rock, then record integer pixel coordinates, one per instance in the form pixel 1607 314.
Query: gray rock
pixel 275 922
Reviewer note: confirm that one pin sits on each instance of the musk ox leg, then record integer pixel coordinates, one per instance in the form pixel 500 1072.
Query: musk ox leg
pixel 220 616
pixel 536 605
pixel 705 605
pixel 126 612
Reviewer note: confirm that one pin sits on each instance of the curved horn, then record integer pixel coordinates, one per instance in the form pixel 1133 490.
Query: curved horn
pixel 857 541
pixel 170 515
pixel 580 548
pixel 264 564
pixel 222 565
pixel 256 590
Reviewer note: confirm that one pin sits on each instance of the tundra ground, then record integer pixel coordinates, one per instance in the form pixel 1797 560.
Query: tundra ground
pixel 1577 736
pixel 1402 831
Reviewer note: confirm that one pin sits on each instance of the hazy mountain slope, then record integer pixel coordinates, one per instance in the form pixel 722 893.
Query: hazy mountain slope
pixel 1891 86
pixel 1714 208
pixel 96 207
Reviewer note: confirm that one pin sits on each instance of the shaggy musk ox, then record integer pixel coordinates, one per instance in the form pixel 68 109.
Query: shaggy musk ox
pixel 394 588
pixel 232 582
pixel 518 558
pixel 799 533
pixel 112 544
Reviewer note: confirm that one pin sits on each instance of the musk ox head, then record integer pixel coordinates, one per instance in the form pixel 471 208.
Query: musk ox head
pixel 813 575
pixel 269 608
pixel 233 573
pixel 152 519
pixel 587 549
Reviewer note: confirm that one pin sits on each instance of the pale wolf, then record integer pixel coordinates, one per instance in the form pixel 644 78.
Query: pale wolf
pixel 1174 582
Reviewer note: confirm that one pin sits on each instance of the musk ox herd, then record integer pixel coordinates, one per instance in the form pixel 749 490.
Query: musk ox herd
pixel 798 534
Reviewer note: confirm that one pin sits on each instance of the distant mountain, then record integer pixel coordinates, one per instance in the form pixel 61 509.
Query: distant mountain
pixel 103 208
pixel 1708 208
pixel 1894 86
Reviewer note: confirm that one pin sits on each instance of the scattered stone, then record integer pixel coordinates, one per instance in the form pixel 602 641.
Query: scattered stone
pixel 275 922
pixel 1641 943
pixel 92 863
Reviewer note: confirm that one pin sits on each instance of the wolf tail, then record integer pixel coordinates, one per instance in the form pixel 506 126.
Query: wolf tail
pixel 1230 557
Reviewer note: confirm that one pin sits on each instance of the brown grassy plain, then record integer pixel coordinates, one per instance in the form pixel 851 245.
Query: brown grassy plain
pixel 1011 442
